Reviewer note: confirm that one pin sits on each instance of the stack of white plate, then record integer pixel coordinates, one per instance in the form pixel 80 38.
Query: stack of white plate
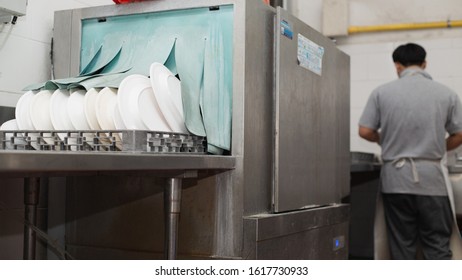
pixel 152 103
pixel 141 103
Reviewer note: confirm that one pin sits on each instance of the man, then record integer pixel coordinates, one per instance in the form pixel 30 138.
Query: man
pixel 409 118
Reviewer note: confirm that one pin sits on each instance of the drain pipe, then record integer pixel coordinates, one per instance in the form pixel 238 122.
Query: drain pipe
pixel 404 26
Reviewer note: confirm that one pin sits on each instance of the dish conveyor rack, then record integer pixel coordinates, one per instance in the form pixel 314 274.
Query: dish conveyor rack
pixel 173 156
pixel 103 141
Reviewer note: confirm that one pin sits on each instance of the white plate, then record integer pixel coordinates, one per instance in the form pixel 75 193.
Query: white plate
pixel 75 107
pixel 167 90
pixel 40 113
pixel 127 100
pixel 40 110
pixel 58 110
pixel 105 104
pixel 60 116
pixel 22 112
pixel 150 112
pixel 10 125
pixel 90 108
pixel 118 122
pixel 23 119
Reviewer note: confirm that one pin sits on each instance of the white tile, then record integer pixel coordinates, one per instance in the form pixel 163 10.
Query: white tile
pixel 367 48
pixel 441 43
pixel 355 114
pixel 357 143
pixel 96 2
pixel 360 92
pixel 380 66
pixel 440 63
pixel 9 99
pixel 429 45
pixel 23 62
pixel 458 87
pixel 307 11
pixel 457 42
pixel 358 67
pixel 37 24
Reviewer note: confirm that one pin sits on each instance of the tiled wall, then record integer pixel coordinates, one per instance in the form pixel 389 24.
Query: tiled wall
pixel 25 46
pixel 372 65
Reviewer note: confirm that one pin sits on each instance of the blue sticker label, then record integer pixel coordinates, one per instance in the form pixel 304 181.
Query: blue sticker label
pixel 286 29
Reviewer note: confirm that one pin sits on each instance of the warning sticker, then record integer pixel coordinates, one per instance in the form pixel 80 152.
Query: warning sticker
pixel 286 29
pixel 310 54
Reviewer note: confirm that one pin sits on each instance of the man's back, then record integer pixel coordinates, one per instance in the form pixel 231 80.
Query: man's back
pixel 409 118
pixel 413 116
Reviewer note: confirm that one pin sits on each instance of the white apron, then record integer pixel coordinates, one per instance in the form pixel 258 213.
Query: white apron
pixel 381 249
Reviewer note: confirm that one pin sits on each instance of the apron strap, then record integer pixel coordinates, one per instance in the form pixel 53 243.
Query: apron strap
pixel 399 163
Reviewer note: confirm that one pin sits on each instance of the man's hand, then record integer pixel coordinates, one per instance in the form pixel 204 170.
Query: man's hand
pixel 369 134
pixel 454 141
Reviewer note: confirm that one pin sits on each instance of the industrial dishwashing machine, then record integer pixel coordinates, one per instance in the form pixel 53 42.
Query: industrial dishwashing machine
pixel 288 132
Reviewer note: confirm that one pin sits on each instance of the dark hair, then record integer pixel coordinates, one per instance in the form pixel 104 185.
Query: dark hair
pixel 409 54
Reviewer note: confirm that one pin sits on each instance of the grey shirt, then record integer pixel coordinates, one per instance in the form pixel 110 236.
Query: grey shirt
pixel 413 115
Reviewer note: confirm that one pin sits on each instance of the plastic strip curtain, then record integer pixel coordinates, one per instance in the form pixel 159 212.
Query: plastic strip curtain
pixel 195 43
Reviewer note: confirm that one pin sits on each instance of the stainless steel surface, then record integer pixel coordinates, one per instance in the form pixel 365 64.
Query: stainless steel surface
pixel 455 168
pixel 21 162
pixel 103 140
pixel 172 202
pixel 364 162
pixel 62 43
pixel 229 186
pixel 31 200
pixel 363 157
pixel 311 122
pixel 256 109
pixel 365 167
pixel 276 3
pixel 362 200
pixel 6 114
pixel 246 190
pixel 307 234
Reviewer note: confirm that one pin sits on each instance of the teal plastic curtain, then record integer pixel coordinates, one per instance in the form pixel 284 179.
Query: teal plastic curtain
pixel 195 43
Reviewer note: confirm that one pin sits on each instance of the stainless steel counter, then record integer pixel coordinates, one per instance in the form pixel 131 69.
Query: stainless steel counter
pixel 455 168
pixel 21 163
pixel 364 167
pixel 31 165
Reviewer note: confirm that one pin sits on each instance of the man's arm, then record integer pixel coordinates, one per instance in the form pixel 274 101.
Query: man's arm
pixel 371 134
pixel 453 141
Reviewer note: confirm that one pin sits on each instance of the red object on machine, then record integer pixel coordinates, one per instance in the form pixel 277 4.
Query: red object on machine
pixel 130 1
pixel 127 1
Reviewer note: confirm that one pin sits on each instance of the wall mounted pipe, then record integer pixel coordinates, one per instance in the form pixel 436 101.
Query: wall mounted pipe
pixel 405 26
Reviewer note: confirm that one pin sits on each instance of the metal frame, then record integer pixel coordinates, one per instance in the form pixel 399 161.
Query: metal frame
pixel 246 190
pixel 230 187
pixel 32 164
pixel 310 116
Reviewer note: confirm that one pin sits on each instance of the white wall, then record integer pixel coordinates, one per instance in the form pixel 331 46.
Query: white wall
pixel 25 46
pixel 371 63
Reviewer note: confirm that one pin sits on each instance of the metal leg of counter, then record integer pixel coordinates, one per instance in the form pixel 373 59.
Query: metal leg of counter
pixel 31 199
pixel 172 204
